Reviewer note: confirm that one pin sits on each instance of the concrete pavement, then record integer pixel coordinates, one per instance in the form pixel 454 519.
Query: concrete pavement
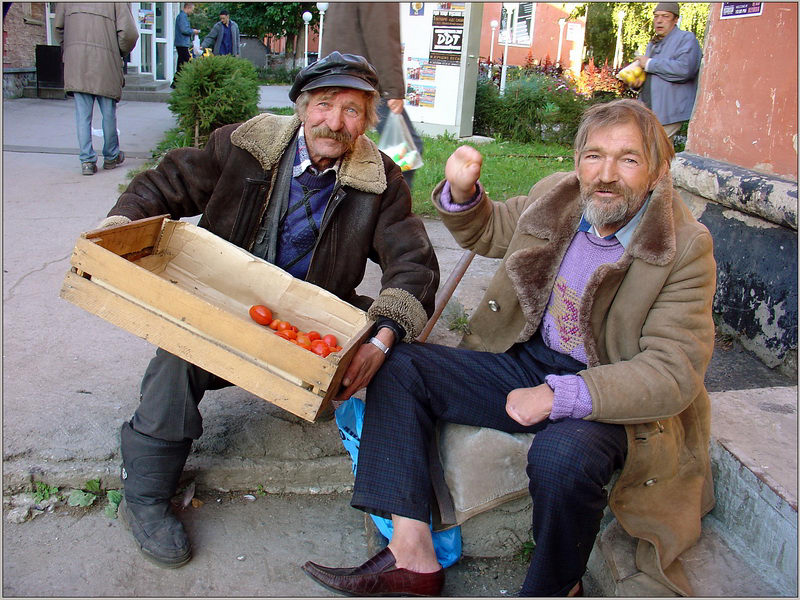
pixel 70 379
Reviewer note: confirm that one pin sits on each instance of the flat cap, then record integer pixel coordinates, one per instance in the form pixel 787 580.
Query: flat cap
pixel 672 7
pixel 336 69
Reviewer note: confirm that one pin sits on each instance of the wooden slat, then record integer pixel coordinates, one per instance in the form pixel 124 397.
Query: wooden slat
pixel 130 239
pixel 231 330
pixel 175 337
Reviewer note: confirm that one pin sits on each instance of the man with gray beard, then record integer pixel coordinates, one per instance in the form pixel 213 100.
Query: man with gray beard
pixel 309 193
pixel 594 334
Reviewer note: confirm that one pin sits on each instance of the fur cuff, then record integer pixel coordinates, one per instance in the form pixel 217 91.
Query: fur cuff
pixel 113 221
pixel 400 306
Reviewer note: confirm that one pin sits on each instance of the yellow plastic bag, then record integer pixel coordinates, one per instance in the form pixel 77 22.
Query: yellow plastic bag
pixel 633 75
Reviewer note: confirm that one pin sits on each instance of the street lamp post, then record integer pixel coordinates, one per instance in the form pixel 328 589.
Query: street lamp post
pixel 561 22
pixel 321 7
pixel 307 18
pixel 494 24
pixel 509 29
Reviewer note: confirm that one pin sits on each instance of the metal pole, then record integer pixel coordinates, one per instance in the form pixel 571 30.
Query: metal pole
pixel 306 17
pixel 321 7
pixel 561 23
pixel 509 29
pixel 493 25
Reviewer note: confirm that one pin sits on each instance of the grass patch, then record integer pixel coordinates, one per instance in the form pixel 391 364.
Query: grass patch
pixel 509 168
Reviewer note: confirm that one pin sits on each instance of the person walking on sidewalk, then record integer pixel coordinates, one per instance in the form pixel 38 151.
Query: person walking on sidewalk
pixel 309 193
pixel 594 334
pixel 94 36
pixel 224 36
pixel 183 37
pixel 372 30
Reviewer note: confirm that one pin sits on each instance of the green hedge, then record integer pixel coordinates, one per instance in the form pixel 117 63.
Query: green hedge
pixel 213 91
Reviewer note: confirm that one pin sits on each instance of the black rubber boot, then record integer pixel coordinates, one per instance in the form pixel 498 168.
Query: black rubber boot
pixel 151 469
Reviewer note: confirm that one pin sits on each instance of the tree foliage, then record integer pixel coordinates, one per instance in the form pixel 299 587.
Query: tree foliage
pixel 214 91
pixel 602 19
pixel 258 19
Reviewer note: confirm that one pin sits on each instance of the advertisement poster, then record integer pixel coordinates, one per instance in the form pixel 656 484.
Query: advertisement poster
pixel 146 17
pixel 433 44
pixel 447 37
pixel 736 10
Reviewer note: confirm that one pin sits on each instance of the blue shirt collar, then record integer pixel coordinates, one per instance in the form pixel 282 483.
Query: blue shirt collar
pixel 624 233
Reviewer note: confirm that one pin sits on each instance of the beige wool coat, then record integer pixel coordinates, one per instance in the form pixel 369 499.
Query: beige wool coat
pixel 648 331
pixel 94 36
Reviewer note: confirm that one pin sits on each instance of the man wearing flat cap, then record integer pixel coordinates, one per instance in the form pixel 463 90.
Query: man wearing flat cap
pixel 672 62
pixel 309 193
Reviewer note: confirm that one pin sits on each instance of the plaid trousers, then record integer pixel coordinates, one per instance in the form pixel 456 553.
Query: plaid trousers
pixel 569 462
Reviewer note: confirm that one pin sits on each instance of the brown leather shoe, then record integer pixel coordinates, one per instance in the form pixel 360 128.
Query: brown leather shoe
pixel 377 577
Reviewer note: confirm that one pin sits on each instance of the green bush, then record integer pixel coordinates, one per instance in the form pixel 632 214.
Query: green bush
pixel 213 91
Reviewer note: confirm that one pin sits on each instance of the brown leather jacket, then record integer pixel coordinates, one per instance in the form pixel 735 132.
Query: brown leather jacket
pixel 230 184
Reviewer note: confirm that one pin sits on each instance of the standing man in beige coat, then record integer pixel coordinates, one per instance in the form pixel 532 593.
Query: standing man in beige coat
pixel 594 334
pixel 94 36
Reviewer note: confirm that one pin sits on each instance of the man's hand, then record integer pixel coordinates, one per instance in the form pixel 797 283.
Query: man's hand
pixel 368 359
pixel 462 171
pixel 642 60
pixel 528 406
pixel 395 105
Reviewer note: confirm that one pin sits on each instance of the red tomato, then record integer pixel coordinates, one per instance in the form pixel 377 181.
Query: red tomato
pixel 261 314
pixel 314 335
pixel 274 324
pixel 283 325
pixel 320 347
pixel 331 340
pixel 293 328
pixel 286 334
pixel 304 342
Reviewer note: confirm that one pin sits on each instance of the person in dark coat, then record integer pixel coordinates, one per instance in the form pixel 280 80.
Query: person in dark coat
pixel 309 193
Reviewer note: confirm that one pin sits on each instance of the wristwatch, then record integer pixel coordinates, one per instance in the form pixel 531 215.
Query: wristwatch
pixel 380 345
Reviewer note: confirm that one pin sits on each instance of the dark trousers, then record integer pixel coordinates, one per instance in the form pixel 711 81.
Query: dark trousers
pixel 170 394
pixel 183 56
pixel 569 462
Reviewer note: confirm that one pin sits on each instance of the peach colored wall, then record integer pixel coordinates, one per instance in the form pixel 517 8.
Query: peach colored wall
pixel 746 108
pixel 545 36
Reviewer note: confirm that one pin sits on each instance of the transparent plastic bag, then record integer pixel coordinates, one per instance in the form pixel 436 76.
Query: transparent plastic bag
pixel 396 141
pixel 196 49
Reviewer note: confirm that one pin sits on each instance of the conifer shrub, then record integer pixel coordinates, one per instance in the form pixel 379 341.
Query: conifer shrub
pixel 213 91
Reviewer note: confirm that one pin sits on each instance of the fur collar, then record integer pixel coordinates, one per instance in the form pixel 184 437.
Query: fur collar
pixel 556 215
pixel 553 220
pixel 266 136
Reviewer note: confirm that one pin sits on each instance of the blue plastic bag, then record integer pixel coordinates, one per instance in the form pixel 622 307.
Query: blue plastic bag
pixel 349 419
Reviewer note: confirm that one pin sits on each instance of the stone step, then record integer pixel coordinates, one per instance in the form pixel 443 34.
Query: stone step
pixel 714 566
pixel 29 91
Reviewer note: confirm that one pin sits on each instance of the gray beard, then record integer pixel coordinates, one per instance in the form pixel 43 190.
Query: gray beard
pixel 603 215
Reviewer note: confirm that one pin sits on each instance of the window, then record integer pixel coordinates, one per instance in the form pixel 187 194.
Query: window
pixel 522 14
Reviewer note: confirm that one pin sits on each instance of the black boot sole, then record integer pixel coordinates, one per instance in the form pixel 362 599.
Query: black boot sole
pixel 156 560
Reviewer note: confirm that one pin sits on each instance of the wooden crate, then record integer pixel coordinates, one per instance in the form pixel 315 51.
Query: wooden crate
pixel 188 291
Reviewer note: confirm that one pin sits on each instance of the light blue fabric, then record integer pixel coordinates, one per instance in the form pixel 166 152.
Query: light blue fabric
pixel 84 107
pixel 349 419
pixel 183 31
pixel 672 72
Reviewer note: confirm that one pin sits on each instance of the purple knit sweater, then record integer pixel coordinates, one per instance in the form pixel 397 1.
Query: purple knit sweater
pixel 559 327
